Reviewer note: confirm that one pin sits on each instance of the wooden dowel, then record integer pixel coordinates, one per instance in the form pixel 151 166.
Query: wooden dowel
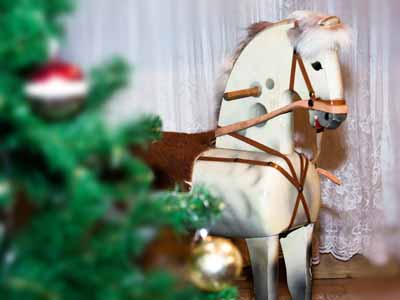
pixel 239 94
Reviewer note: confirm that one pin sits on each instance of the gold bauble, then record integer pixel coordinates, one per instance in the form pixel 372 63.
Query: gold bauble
pixel 215 262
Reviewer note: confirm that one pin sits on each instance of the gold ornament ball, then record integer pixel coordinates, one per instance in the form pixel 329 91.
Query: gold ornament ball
pixel 215 262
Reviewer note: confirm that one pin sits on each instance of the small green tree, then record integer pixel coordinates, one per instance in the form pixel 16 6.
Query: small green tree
pixel 76 244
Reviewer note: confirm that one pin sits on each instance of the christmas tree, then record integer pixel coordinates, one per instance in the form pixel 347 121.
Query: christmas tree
pixel 76 208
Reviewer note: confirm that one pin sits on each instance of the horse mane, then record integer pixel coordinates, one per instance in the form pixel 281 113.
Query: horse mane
pixel 252 31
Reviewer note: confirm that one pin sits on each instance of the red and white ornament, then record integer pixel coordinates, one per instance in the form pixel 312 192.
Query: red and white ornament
pixel 57 89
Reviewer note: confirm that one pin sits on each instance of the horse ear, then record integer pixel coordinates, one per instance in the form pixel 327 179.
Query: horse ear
pixel 294 32
pixel 329 21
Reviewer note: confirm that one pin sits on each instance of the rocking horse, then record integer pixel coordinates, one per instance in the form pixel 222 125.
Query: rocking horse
pixel 271 193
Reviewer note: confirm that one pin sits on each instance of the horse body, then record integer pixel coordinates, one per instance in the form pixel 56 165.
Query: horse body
pixel 262 205
pixel 258 200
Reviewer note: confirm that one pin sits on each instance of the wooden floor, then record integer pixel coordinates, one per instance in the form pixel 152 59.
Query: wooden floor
pixel 335 289
pixel 356 279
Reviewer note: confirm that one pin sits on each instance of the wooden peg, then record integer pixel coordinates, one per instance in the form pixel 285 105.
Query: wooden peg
pixel 239 94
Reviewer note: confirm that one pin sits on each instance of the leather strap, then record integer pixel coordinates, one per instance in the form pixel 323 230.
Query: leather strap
pixel 305 76
pixel 298 183
pixel 293 72
pixel 297 58
pixel 254 162
pixel 266 149
pixel 333 102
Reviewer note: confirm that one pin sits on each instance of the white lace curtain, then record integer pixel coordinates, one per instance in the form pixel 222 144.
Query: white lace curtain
pixel 178 48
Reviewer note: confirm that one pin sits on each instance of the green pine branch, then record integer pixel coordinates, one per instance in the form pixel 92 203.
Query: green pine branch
pixel 75 241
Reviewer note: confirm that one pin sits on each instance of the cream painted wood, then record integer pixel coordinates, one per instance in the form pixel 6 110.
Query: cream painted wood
pixel 334 75
pixel 264 256
pixel 296 248
pixel 258 200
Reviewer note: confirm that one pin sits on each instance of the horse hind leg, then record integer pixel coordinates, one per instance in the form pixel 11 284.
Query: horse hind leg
pixel 296 248
pixel 264 254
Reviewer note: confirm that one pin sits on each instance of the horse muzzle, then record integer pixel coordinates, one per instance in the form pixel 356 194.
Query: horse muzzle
pixel 329 115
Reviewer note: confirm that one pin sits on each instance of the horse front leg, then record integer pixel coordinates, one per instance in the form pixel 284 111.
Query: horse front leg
pixel 296 248
pixel 264 254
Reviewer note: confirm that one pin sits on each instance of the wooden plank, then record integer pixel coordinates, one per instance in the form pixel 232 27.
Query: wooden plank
pixel 346 289
pixel 331 268
pixel 356 267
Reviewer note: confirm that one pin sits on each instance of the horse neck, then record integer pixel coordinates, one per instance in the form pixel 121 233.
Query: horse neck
pixel 274 48
pixel 277 133
pixel 286 132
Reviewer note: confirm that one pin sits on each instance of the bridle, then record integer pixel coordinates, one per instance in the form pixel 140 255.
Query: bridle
pixel 334 103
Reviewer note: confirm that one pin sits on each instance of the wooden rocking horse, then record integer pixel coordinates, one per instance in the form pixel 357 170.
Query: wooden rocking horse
pixel 272 193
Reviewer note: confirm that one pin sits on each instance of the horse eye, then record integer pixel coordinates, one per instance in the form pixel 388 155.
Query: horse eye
pixel 317 66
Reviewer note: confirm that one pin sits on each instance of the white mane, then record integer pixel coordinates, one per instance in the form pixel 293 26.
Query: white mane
pixel 309 37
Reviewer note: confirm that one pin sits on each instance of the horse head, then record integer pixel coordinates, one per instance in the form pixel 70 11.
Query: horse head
pixel 280 67
pixel 317 39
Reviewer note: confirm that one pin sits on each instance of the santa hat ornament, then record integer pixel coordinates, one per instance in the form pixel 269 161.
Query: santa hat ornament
pixel 57 89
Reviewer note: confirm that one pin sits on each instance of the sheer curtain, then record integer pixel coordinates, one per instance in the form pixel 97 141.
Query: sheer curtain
pixel 178 48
